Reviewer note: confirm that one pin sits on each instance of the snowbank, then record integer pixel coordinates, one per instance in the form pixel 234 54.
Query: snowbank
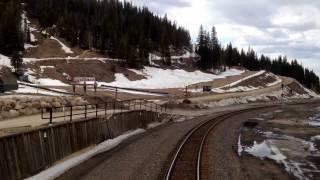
pixel 5 61
pixel 31 60
pixel 65 48
pixel 157 78
pixel 43 81
pixel 59 169
pixel 49 82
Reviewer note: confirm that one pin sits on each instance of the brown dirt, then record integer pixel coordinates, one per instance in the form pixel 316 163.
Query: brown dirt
pixel 261 80
pixel 47 48
pixel 81 68
pixel 89 54
pixel 222 82
pixel 296 87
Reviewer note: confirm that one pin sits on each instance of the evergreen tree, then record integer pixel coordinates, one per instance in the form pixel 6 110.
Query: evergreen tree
pixel 16 60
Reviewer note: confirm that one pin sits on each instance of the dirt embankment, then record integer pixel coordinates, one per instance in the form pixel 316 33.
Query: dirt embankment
pixel 222 82
pixel 259 81
pixel 64 69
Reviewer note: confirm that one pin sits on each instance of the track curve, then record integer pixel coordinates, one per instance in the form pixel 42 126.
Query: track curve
pixel 186 162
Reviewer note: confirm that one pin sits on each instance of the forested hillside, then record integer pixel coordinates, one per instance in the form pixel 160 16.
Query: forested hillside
pixel 122 30
pixel 119 29
pixel 214 56
pixel 11 37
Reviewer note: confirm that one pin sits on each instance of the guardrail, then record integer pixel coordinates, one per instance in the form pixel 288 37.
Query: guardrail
pixel 108 108
pixel 47 89
pixel 136 90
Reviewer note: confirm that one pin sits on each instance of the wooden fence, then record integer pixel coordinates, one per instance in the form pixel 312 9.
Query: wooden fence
pixel 25 154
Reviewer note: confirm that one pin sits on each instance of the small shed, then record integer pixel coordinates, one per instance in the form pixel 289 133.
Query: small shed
pixel 8 80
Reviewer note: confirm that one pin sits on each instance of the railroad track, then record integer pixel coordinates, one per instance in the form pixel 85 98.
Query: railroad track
pixel 187 160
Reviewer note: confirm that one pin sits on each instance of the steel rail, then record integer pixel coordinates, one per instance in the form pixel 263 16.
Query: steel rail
pixel 216 121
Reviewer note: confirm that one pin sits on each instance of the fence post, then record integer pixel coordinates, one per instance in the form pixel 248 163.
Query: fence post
pixel 97 110
pixel 50 111
pixel 85 111
pixel 70 113
pixel 105 109
pixel 129 104
pixel 140 105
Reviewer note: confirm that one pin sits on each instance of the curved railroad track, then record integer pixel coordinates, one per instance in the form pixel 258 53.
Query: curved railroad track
pixel 187 160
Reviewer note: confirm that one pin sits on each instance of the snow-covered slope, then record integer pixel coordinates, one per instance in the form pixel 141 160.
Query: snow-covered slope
pixel 157 78
pixel 65 48
pixel 4 61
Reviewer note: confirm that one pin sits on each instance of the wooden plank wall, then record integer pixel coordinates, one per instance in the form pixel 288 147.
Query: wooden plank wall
pixel 25 154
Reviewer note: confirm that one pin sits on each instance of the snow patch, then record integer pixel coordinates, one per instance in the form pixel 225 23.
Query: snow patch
pixel 157 78
pixel 267 150
pixel 49 82
pixel 65 48
pixel 31 60
pixel 32 90
pixel 29 46
pixel 33 39
pixel 154 125
pixel 315 138
pixel 45 67
pixel 5 61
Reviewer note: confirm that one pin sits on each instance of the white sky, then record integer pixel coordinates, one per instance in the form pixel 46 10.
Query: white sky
pixel 272 27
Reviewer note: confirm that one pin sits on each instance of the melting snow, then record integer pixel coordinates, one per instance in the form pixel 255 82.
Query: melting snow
pixel 5 61
pixel 45 67
pixel 157 78
pixel 31 90
pixel 268 149
pixel 29 46
pixel 49 82
pixel 65 48
pixel 315 138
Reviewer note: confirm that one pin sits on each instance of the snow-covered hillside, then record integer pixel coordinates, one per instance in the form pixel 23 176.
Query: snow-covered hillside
pixel 157 78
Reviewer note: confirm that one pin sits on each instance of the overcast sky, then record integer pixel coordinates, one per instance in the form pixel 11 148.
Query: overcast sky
pixel 272 27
